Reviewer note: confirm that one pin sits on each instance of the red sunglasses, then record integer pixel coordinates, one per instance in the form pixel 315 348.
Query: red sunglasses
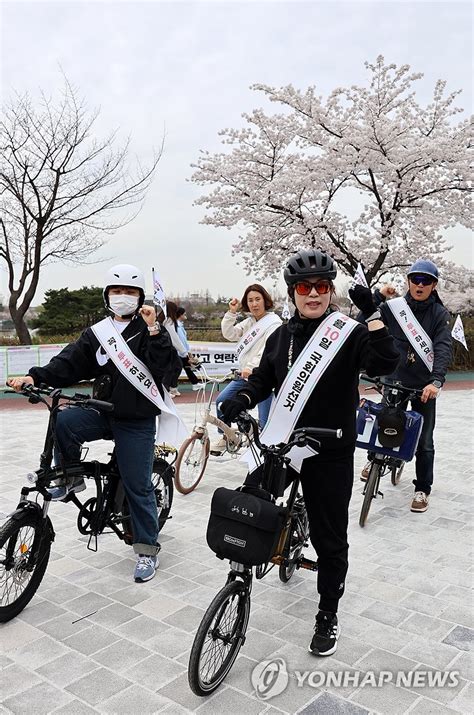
pixel 305 287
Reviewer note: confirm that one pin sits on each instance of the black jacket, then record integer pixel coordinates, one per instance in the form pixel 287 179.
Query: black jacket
pixel 434 319
pixel 79 361
pixel 334 400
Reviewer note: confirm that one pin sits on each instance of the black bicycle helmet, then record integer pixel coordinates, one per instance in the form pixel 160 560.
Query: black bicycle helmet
pixel 309 263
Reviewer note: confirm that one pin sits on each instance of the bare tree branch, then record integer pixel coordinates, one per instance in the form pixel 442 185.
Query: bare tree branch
pixel 61 190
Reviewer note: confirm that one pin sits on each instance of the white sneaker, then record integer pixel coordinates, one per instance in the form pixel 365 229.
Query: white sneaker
pixel 174 392
pixel 197 386
pixel 219 446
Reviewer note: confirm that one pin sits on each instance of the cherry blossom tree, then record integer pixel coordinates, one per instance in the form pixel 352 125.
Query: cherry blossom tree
pixel 287 179
pixel 62 190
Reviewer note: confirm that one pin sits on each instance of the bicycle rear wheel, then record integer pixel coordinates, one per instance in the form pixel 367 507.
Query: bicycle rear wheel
pixel 191 462
pixel 219 638
pixel 297 536
pixel 23 561
pixel 162 478
pixel 371 487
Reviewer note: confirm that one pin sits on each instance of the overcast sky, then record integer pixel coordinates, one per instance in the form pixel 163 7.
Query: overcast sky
pixel 185 69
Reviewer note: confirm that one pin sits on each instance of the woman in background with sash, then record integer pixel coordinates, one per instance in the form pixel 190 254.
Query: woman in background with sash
pixel 251 334
pixel 327 350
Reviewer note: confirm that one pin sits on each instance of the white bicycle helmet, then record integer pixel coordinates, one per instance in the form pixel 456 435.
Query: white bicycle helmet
pixel 124 275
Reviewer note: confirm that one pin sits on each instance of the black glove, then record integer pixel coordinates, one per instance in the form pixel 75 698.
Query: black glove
pixel 234 406
pixel 363 299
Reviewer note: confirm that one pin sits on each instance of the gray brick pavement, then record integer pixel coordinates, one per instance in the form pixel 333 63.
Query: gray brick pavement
pixel 408 604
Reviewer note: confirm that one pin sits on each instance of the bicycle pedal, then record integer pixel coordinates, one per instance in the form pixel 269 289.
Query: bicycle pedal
pixel 304 563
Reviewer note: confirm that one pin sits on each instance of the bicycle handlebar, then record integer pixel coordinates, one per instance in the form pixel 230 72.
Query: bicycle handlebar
pixel 232 374
pixel 380 382
pixel 299 437
pixel 80 398
pixel 100 405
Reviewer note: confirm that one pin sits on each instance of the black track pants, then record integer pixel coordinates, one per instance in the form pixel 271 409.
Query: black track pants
pixel 327 487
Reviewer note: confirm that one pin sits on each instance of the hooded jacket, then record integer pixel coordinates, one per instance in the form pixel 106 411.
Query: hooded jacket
pixel 85 359
pixel 333 401
pixel 434 319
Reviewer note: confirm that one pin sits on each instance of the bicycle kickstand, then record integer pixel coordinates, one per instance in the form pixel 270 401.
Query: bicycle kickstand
pixel 95 547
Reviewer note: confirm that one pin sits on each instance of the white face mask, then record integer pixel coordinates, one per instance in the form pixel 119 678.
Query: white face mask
pixel 123 304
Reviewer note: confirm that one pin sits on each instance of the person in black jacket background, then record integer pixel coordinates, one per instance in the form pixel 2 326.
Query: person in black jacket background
pixel 133 423
pixel 327 477
pixel 427 307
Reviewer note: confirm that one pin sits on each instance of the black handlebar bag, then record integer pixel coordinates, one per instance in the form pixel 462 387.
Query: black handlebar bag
pixel 244 527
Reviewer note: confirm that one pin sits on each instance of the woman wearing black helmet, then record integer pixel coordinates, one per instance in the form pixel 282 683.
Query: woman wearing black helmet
pixel 321 351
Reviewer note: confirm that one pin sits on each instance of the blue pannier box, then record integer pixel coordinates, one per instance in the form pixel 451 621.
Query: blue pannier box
pixel 367 431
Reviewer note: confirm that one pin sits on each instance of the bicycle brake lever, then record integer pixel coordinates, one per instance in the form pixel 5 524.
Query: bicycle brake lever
pixel 315 443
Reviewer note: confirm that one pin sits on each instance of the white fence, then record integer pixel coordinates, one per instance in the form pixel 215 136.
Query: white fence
pixel 17 360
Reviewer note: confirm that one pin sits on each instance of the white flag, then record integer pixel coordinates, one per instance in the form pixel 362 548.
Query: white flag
pixel 458 332
pixel 359 277
pixel 285 311
pixel 158 292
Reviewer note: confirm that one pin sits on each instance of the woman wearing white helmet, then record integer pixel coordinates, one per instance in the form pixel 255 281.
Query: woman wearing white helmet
pixel 132 424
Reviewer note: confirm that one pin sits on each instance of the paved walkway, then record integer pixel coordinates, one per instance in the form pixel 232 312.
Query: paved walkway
pixel 93 641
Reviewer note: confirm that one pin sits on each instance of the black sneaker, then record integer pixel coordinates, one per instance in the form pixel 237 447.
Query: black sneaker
pixel 326 633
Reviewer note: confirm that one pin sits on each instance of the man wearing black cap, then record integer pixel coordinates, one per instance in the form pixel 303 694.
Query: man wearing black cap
pixel 419 324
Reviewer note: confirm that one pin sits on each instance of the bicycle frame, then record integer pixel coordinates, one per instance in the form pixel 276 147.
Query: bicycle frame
pixel 273 481
pixel 106 476
pixel 222 631
pixel 233 435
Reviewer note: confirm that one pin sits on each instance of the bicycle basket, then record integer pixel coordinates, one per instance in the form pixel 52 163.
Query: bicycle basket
pixel 373 418
pixel 243 527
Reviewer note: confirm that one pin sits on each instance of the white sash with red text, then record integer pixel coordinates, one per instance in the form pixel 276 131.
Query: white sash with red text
pixel 418 338
pixel 300 382
pixel 170 428
pixel 254 332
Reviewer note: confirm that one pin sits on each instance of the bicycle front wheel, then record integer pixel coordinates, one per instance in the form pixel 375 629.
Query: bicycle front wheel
pixel 191 462
pixel 163 484
pixel 24 557
pixel 370 491
pixel 219 638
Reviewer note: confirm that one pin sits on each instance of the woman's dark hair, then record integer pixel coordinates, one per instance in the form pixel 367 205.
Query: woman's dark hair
pixel 181 311
pixel 172 311
pixel 267 299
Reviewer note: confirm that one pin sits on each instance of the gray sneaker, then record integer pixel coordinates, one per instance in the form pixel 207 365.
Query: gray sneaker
pixel 145 568
pixel 60 492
